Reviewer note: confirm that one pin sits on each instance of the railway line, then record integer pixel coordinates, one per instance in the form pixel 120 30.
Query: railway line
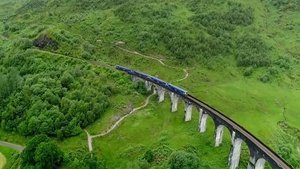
pixel 230 123
pixel 258 150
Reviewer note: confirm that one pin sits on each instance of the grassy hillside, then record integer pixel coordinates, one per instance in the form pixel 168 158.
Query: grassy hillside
pixel 55 72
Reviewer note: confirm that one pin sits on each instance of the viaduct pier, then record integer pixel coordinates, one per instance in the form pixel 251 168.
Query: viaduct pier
pixel 259 152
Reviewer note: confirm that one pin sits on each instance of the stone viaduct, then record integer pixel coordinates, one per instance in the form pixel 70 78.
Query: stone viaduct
pixel 259 152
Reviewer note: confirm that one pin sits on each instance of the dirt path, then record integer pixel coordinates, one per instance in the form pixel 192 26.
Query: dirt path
pixel 2 160
pixel 95 63
pixel 158 60
pixel 115 125
pixel 19 148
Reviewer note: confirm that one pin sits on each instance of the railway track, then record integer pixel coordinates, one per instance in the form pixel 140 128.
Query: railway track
pixel 236 127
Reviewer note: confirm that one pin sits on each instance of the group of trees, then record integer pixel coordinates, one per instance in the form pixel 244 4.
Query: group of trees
pixel 58 98
pixel 41 153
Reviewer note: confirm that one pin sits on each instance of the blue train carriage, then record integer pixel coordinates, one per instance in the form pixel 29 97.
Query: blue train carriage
pixel 147 77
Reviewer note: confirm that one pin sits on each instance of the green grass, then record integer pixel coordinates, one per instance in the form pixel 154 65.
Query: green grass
pixel 218 81
pixel 12 157
pixel 152 126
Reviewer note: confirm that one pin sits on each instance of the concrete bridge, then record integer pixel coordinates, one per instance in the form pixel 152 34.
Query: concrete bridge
pixel 259 152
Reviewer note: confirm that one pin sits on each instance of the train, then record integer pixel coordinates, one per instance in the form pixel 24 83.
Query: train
pixel 153 79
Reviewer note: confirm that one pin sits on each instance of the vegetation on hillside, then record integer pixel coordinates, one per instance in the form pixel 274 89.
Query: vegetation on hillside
pixel 54 79
pixel 40 153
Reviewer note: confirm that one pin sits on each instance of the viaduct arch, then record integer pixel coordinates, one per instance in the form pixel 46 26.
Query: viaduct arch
pixel 259 152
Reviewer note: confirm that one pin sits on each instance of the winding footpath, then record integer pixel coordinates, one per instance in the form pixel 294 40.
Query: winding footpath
pixel 16 147
pixel 115 125
pixel 158 60
pixel 146 102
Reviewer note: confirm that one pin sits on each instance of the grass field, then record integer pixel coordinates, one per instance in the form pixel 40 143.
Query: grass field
pixel 87 31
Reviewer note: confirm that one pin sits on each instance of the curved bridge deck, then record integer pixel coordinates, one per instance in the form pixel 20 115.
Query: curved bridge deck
pixel 236 127
pixel 259 152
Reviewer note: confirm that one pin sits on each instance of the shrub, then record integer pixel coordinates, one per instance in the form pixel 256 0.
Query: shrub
pixel 248 71
pixel 140 87
pixel 283 62
pixel 238 15
pixel 23 43
pixel 183 160
pixel 148 156
pixel 252 51
pixel 272 71
pixel 265 78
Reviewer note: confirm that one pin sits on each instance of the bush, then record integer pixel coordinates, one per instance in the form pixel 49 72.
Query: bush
pixel 272 71
pixel 252 51
pixel 238 15
pixel 283 62
pixel 183 160
pixel 148 156
pixel 24 43
pixel 248 71
pixel 286 4
pixel 265 78
pixel 140 87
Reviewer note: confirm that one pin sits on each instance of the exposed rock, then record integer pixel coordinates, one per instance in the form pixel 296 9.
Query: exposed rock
pixel 44 41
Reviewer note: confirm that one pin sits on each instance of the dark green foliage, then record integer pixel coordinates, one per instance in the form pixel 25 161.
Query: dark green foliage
pixel 184 160
pixel 238 15
pixel 286 4
pixel 161 154
pixel 56 98
pixel 28 153
pixel 33 5
pixel 283 62
pixel 48 155
pixel 9 84
pixel 148 156
pixel 140 87
pixel 45 42
pixel 248 71
pixel 265 78
pixel 287 142
pixel 220 26
pixel 252 51
pixel 81 159
pixel 41 153
pixel 23 43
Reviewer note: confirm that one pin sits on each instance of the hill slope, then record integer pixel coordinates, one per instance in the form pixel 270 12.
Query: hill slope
pixel 242 58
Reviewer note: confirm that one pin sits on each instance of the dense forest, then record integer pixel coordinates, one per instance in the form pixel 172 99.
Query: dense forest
pixel 56 77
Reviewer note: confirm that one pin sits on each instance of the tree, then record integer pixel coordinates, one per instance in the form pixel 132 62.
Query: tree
pixel 48 155
pixel 183 160
pixel 29 152
pixel 41 153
